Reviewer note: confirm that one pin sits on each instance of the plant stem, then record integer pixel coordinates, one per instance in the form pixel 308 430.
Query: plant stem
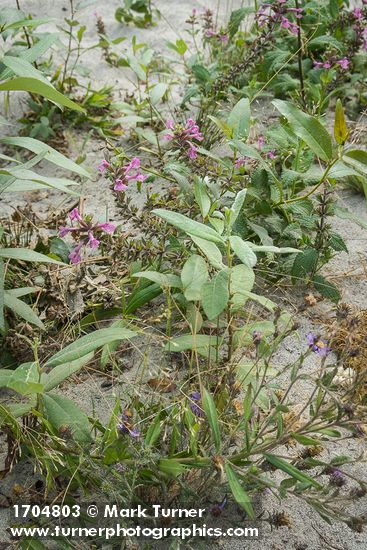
pixel 300 52
pixel 72 13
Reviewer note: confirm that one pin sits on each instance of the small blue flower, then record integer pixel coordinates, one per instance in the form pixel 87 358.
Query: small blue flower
pixel 124 427
pixel 195 404
pixel 318 345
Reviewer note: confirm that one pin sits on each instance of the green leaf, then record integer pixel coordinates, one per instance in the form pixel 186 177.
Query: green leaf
pixel 2 276
pixel 242 279
pixel 211 414
pixel 326 288
pixel 198 342
pixel 273 249
pixel 38 87
pixel 305 440
pixel 201 196
pixel 201 74
pixel 307 128
pixel 22 309
pixel 321 41
pixel 190 227
pixel 358 159
pixel 194 275
pixel 142 296
pixel 340 126
pixel 291 470
pixel 25 379
pixel 210 250
pixel 215 295
pixel 239 119
pixel 62 412
pixel 89 343
pixel 239 494
pixel 33 53
pixel 337 243
pixel 157 92
pixel 38 147
pixel 153 432
pixel 171 467
pixel 304 263
pixel 243 251
pixel 21 67
pixel 237 16
pixel 165 280
pixel 237 206
pixel 26 255
pixel 62 372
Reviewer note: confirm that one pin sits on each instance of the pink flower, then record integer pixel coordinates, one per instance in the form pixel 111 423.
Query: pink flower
pixel 74 215
pixel 85 230
pixel 357 12
pixel 343 63
pixel 119 185
pixel 92 241
pixel 240 162
pixel 223 38
pixel 103 165
pixel 127 173
pixel 293 28
pixel 74 255
pixel 106 227
pixel 184 134
pixel 326 65
pixel 285 23
pixel 271 155
pixel 261 142
pixel 318 64
pixel 192 152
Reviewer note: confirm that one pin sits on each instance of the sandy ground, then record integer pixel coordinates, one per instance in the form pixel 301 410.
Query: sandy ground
pixel 308 531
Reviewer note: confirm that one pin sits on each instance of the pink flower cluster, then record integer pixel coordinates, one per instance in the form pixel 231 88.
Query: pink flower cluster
pixel 123 175
pixel 219 36
pixel 359 28
pixel 260 143
pixel 85 230
pixel 278 12
pixel 328 64
pixel 184 135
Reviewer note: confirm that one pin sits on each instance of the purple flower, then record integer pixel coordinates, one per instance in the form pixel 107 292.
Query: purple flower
pixel 63 231
pixel 125 427
pixel 343 63
pixel 261 142
pixel 195 404
pixel 357 12
pixel 317 345
pixel 192 152
pixel 336 477
pixel 106 227
pixel 74 255
pixel 217 509
pixel 103 165
pixel 184 134
pixel 119 185
pixel 127 173
pixel 271 155
pixel 240 162
pixel 285 23
pixel 85 230
pixel 92 241
pixel 74 215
